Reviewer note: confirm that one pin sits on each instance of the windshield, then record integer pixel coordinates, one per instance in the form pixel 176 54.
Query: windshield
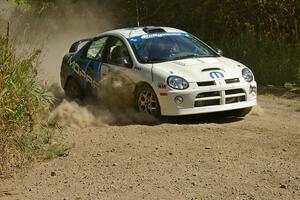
pixel 164 47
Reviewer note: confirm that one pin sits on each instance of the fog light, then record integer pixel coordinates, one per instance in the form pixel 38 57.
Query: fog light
pixel 178 100
pixel 253 90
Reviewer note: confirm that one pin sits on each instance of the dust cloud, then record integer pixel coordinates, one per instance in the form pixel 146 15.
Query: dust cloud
pixel 114 107
pixel 6 10
pixel 53 28
pixel 257 111
pixel 71 113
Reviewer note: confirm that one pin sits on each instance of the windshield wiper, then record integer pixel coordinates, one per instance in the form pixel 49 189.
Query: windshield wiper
pixel 187 56
pixel 155 60
pixel 193 56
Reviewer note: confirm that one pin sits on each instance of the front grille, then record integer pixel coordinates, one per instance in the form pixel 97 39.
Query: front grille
pixel 207 103
pixel 210 83
pixel 233 80
pixel 208 94
pixel 207 83
pixel 235 96
pixel 235 99
pixel 220 97
pixel 208 99
pixel 234 91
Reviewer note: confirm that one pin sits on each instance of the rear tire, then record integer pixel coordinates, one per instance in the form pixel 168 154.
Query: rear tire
pixel 73 89
pixel 241 112
pixel 146 101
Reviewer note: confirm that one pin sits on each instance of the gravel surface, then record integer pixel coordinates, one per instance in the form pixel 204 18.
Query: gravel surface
pixel 257 157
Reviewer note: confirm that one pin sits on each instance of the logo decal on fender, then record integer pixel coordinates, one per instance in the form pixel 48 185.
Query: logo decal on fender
pixel 215 75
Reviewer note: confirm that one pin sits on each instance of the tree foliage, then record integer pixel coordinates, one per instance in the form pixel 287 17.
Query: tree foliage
pixel 263 34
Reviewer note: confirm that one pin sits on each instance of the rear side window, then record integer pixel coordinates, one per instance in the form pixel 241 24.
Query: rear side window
pixel 95 50
pixel 117 52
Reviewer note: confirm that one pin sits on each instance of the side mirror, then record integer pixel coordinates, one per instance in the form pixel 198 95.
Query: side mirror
pixel 219 51
pixel 124 62
pixel 74 47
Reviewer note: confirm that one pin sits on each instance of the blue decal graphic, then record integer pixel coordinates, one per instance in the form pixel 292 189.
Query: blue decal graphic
pixel 214 75
pixel 157 35
pixel 96 70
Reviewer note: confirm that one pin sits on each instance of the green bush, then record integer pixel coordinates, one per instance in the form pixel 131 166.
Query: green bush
pixel 21 97
pixel 22 101
pixel 298 78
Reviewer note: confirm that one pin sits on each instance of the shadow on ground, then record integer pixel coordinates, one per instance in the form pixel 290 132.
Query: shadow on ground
pixel 215 118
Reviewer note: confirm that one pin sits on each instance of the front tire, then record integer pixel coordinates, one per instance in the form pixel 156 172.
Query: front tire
pixel 73 89
pixel 146 101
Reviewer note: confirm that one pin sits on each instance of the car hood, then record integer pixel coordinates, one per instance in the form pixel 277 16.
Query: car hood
pixel 200 69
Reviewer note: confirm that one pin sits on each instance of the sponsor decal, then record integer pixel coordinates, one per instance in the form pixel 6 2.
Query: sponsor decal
pixel 216 74
pixel 157 35
pixel 162 86
pixel 82 73
pixel 137 68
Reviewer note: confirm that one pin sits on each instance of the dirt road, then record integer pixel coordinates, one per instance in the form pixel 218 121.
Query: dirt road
pixel 254 158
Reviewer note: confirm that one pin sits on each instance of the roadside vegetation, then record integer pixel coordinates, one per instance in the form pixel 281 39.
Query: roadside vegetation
pixel 23 133
pixel 264 35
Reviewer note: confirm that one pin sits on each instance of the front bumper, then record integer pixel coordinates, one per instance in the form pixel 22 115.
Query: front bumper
pixel 208 99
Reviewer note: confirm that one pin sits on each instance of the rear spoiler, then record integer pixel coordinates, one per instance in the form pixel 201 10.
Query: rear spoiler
pixel 74 46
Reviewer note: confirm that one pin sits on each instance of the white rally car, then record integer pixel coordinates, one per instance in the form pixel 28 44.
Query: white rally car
pixel 172 72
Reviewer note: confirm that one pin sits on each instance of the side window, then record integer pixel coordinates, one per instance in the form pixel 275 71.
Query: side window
pixel 94 52
pixel 118 54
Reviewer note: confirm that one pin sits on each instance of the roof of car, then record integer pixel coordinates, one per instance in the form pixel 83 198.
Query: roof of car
pixel 139 31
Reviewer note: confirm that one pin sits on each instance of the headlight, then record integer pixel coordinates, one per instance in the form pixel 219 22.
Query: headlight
pixel 247 74
pixel 177 83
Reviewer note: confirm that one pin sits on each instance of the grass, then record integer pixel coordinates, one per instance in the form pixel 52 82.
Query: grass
pixel 297 109
pixel 273 62
pixel 292 87
pixel 43 144
pixel 23 136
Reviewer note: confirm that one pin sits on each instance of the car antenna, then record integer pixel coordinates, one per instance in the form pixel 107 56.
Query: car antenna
pixel 137 13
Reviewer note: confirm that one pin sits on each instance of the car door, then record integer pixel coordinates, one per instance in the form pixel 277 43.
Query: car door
pixel 117 66
pixel 91 61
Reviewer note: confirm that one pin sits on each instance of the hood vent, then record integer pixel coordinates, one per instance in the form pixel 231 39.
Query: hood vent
pixel 210 69
pixel 152 30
